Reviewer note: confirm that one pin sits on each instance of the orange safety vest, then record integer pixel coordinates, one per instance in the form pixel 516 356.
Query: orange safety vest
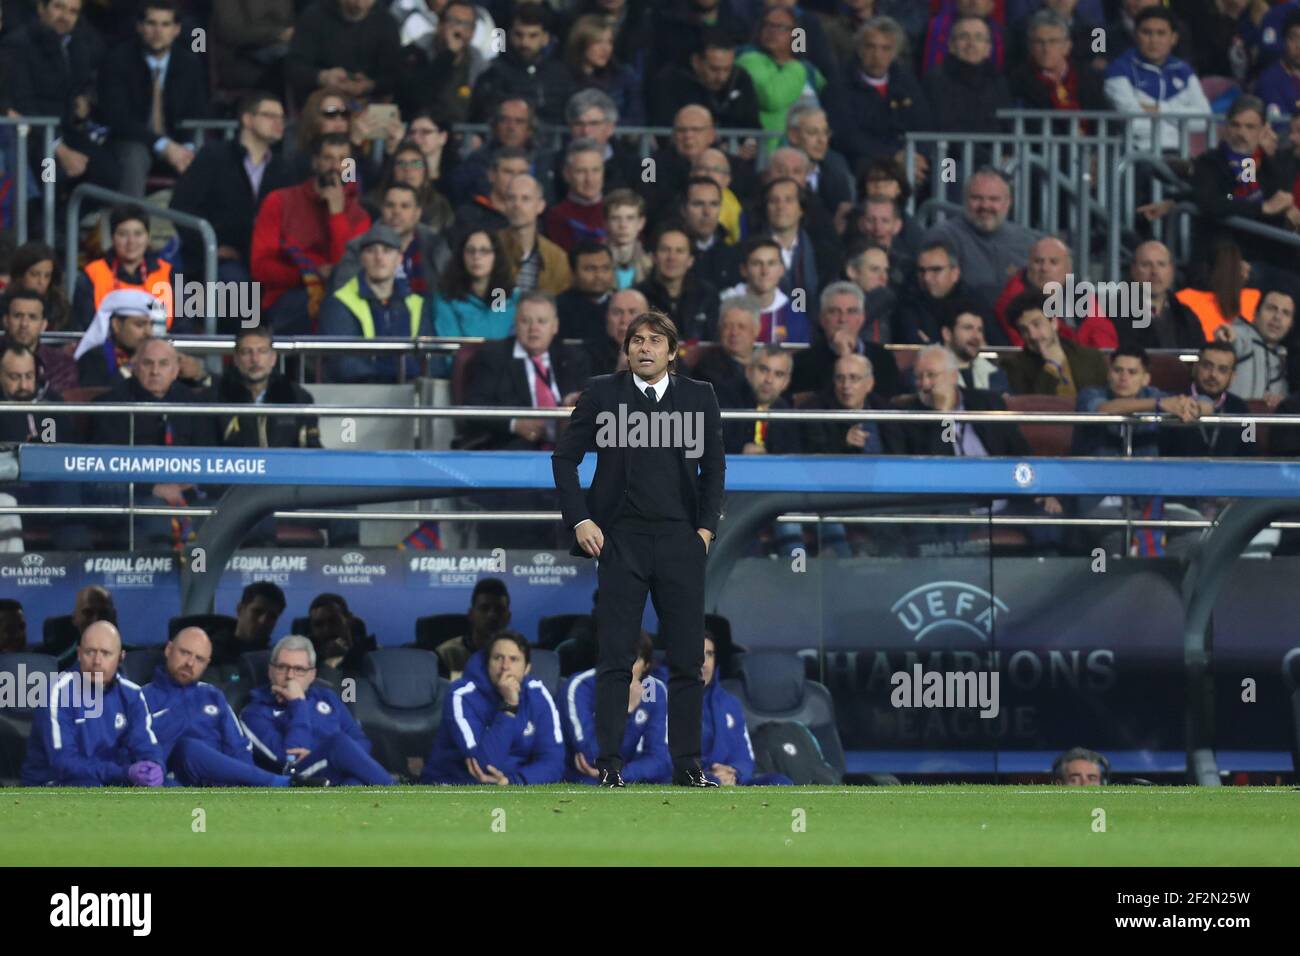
pixel 103 279
pixel 1206 307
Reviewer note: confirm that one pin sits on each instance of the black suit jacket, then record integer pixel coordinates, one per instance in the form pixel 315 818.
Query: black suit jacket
pixel 498 378
pixel 703 477
pixel 150 428
pixel 126 91
pixel 815 365
pixel 926 438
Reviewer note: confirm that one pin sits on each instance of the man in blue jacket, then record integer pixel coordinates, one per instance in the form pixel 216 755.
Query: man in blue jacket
pixel 645 740
pixel 203 740
pixel 95 729
pixel 304 728
pixel 498 726
pixel 728 756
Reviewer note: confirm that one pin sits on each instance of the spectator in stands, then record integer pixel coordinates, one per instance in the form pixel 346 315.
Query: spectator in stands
pixel 304 727
pixel 420 19
pixel 691 303
pixel 728 755
pixel 1053 78
pixel 252 379
pixel 226 184
pixel 525 69
pixel 58 36
pixel 809 259
pixel 1121 33
pixel 713 164
pixel 35 269
pixel 128 265
pixel 786 162
pixel 531 369
pixel 589 54
pixel 679 24
pixel 476 297
pixel 13 627
pixel 149 85
pixel 711 79
pixel 938 282
pixel 724 365
pixel 104 355
pixel 442 66
pixel 606 355
pixel 880 220
pixel 762 268
pixel 1211 377
pixel 967 88
pixel 1128 391
pixel 645 740
pixel 1259 344
pixel 376 303
pixel 829 176
pixel 425 254
pixel 1276 84
pixel 350 44
pixel 582 307
pixel 990 248
pixel 1171 325
pixel 532 261
pixel 24 324
pixel 1050 262
pixel 766 376
pixel 581 214
pixel 1150 79
pixel 850 389
pixel 259 609
pixel 1079 767
pixel 879 100
pixel 513 125
pixel 100 736
pixel 92 603
pixel 487 211
pixel 867 267
pixel 938 40
pixel 1048 364
pixel 1220 291
pixel 839 333
pixel 199 735
pixel 498 726
pixel 781 76
pixel 592 115
pixel 250 41
pixel 961 329
pixel 693 133
pixel 327 111
pixel 716 261
pixel 489 614
pixel 431 132
pixel 1271 35
pixel 301 232
pixel 20 382
pixel 408 167
pixel 625 220
pixel 1226 37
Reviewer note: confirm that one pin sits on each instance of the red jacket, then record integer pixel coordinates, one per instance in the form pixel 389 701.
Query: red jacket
pixel 1096 331
pixel 294 232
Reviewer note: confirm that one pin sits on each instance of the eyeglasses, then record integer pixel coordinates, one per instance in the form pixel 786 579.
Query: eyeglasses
pixel 478 250
pixel 292 670
pixel 263 114
pixel 334 112
pixel 843 379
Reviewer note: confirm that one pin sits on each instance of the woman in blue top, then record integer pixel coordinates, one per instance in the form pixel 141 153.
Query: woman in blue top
pixel 477 297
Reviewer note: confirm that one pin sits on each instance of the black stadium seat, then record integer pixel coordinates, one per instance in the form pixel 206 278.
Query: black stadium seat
pixel 399 704
pixel 546 668
pixel 432 629
pixel 772 686
pixel 59 637
pixel 214 625
pixel 15 721
pixel 555 629
pixel 140 663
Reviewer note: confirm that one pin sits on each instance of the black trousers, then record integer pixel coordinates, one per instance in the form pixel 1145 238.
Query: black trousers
pixel 669 566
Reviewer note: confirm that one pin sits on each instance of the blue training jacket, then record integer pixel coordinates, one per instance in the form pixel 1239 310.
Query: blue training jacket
pixel 198 711
pixel 724 737
pixel 645 738
pixel 273 727
pixel 70 747
pixel 527 748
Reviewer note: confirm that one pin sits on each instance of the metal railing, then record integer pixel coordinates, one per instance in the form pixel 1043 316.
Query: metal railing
pixel 22 171
pixel 551 136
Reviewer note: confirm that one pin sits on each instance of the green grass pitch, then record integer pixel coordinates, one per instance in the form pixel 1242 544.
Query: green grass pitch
pixel 1007 825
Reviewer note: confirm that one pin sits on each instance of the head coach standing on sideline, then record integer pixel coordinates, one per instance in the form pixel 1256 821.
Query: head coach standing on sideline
pixel 649 517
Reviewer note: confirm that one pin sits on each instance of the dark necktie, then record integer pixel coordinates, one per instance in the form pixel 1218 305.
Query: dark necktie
pixel 651 396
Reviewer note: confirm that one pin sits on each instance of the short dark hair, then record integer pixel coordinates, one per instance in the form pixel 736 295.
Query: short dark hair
pixel 502 153
pixel 754 243
pixel 656 322
pixel 491 586
pixel 249 102
pixel 168 6
pixel 261 330
pixel 940 245
pixel 715 38
pixel 672 225
pixel 407 186
pixel 587 247
pixel 329 139
pixel 518 639
pixel 126 212
pixel 10 347
pixel 1027 301
pixel 1274 290
pixel 699 181
pixel 1156 12
pixel 14 293
pixel 532 15
pixel 951 309
pixel 1247 103
pixel 1081 753
pixel 328 599
pixel 645 648
pixel 1132 351
pixel 268 591
pixel 1214 345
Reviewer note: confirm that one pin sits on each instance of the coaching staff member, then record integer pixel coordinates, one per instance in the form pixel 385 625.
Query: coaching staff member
pixel 649 518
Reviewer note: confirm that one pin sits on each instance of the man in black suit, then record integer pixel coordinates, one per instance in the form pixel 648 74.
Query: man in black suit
pixel 651 512
pixel 148 86
pixel 840 319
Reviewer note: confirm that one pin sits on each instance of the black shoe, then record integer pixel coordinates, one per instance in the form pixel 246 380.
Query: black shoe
pixel 611 779
pixel 692 777
pixel 297 780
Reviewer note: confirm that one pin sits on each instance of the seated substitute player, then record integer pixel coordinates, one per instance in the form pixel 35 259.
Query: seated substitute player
pixel 728 756
pixel 498 726
pixel 204 742
pixel 645 739
pixel 94 735
pixel 294 724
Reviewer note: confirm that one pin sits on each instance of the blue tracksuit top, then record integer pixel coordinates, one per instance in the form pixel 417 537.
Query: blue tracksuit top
pixel 273 727
pixel 724 737
pixel 645 738
pixel 70 746
pixel 198 711
pixel 527 748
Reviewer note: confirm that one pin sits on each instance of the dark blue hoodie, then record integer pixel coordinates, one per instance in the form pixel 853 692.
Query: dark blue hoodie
pixel 724 737
pixel 527 747
pixel 198 711
pixel 645 737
